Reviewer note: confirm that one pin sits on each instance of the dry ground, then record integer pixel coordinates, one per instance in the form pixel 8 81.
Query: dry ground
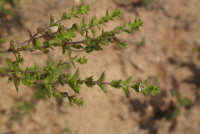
pixel 169 58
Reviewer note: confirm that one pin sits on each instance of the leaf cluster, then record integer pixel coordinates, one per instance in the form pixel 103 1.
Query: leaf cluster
pixel 45 40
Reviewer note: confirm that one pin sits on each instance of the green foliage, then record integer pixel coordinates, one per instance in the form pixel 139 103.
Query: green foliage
pixel 45 78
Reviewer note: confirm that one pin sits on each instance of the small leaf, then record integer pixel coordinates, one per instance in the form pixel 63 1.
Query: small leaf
pixel 16 83
pixel 103 87
pixel 73 13
pixel 79 102
pixel 101 78
pixel 72 59
pixel 127 81
pixel 60 80
pixel 51 20
pixel 93 32
pixel 116 13
pixel 76 74
pixel 82 60
pixel 82 25
pixel 28 80
pixel 73 100
pixel 107 15
pixel 65 16
pixel 89 81
pixel 135 25
pixel 116 83
pixel 83 9
pixel 145 82
pixel 57 94
pixel 126 90
pixel 135 86
pixel 93 21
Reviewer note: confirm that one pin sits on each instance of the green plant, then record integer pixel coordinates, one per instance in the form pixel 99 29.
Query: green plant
pixel 45 40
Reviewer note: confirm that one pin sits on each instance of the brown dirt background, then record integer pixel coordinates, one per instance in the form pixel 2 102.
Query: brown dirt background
pixel 170 59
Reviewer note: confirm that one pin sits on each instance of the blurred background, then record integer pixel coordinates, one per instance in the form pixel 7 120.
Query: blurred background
pixel 166 51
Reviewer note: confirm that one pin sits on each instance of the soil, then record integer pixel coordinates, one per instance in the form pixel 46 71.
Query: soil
pixel 165 51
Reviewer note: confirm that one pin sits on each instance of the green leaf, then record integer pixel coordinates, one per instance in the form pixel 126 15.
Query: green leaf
pixel 79 102
pixel 82 23
pixel 65 16
pixel 60 79
pixel 57 94
pixel 74 28
pixel 107 15
pixel 51 20
pixel 82 60
pixel 101 78
pixel 145 82
pixel 92 47
pixel 34 68
pixel 126 90
pixel 82 26
pixel 63 64
pixel 117 28
pixel 103 87
pixel 73 13
pixel 9 80
pixel 37 43
pixel 68 35
pixel 83 9
pixel 135 86
pixel 19 59
pixel 28 80
pixel 144 92
pixel 72 59
pixel 49 68
pixel 16 83
pixel 66 47
pixel 50 78
pixel 93 32
pixel 135 25
pixel 77 46
pixel 93 21
pixel 127 81
pixel 74 81
pixel 120 43
pixel 73 100
pixel 76 75
pixel 89 81
pixel 48 87
pixel 75 88
pixel 153 89
pixel 116 13
pixel 116 83
pixel 16 70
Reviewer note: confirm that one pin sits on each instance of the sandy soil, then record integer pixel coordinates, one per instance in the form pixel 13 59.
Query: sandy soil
pixel 169 58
